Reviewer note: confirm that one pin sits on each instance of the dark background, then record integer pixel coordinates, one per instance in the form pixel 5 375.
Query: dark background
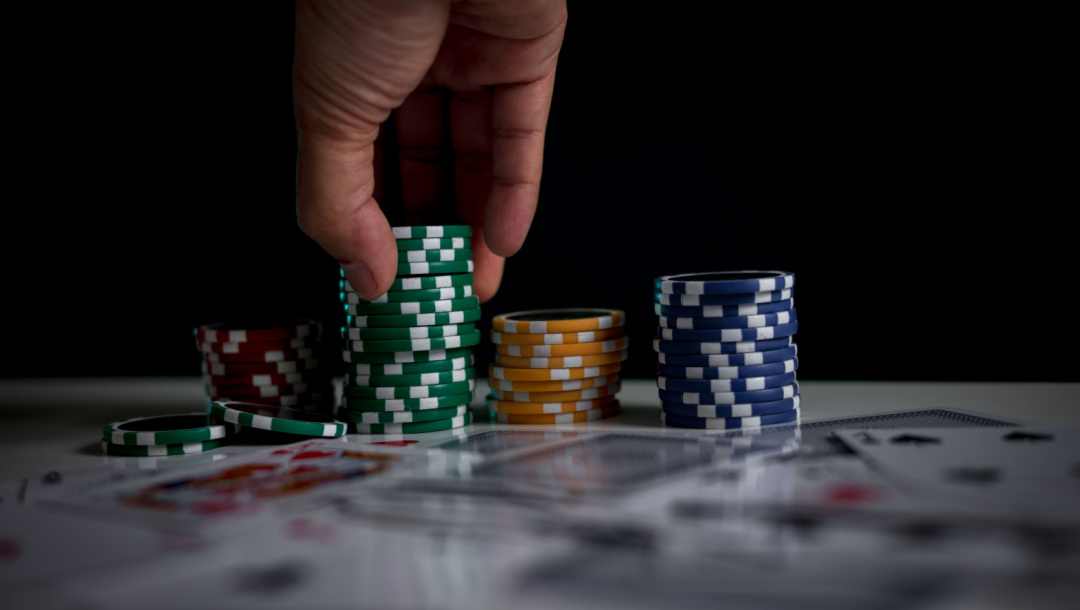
pixel 910 170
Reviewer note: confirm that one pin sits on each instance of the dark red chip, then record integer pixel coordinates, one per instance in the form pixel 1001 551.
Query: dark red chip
pixel 223 333
pixel 257 346
pixel 264 379
pixel 233 369
pixel 258 357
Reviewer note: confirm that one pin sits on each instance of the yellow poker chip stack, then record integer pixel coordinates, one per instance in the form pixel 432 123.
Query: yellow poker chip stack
pixel 557 366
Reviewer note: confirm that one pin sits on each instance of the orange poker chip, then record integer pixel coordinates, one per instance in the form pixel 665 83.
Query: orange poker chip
pixel 588 336
pixel 560 418
pixel 566 396
pixel 551 408
pixel 569 349
pixel 551 386
pixel 561 362
pixel 519 374
pixel 542 321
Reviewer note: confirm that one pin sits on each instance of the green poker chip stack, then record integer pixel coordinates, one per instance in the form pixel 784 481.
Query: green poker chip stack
pixel 165 435
pixel 408 353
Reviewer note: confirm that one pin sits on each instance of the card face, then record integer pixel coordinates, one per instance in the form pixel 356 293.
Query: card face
pixel 497 441
pixel 1027 471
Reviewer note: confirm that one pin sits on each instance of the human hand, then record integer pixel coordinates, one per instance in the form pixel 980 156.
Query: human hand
pixel 472 82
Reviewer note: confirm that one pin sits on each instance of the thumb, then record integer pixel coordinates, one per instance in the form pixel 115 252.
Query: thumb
pixel 336 208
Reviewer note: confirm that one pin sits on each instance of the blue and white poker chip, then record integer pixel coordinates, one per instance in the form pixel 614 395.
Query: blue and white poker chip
pixel 718 347
pixel 721 360
pixel 737 410
pixel 726 300
pixel 728 423
pixel 748 384
pixel 730 398
pixel 725 282
pixel 722 311
pixel 729 335
pixel 728 372
pixel 755 321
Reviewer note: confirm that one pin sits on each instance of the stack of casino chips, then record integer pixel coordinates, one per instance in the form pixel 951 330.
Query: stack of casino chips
pixel 269 365
pixel 557 366
pixel 408 357
pixel 725 348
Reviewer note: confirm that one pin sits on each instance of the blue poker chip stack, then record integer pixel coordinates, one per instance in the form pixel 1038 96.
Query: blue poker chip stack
pixel 725 349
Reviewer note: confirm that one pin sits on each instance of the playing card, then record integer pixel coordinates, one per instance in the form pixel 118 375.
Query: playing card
pixel 1034 473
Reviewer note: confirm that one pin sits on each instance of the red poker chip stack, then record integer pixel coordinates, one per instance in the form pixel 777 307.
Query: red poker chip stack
pixel 272 365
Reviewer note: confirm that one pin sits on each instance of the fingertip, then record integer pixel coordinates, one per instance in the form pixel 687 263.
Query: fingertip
pixel 489 270
pixel 372 265
pixel 507 221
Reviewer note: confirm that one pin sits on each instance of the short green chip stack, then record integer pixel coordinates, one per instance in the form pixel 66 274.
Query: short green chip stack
pixel 408 353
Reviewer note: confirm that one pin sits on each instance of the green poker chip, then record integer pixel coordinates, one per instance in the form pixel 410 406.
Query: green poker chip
pixel 438 378
pixel 434 256
pixel 405 356
pixel 400 417
pixel 411 345
pixel 408 332
pixel 410 391
pixel 411 307
pixel 434 243
pixel 414 320
pixel 429 282
pixel 406 404
pixel 164 430
pixel 414 428
pixel 276 419
pixel 412 368
pixel 427 294
pixel 424 232
pixel 435 268
pixel 160 450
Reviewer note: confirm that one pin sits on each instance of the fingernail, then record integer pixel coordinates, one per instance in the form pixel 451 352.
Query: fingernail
pixel 361 279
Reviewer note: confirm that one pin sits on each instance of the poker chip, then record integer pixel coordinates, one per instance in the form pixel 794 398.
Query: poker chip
pixel 559 418
pixel 749 384
pixel 406 404
pixel 589 336
pixel 408 284
pixel 164 430
pixel 719 347
pixel 160 450
pixel 722 360
pixel 432 231
pixel 434 256
pixel 565 396
pixel 413 345
pixel 728 423
pixel 735 410
pixel 515 374
pixel 722 311
pixel 552 386
pixel 434 243
pixel 728 372
pixel 730 398
pixel 511 407
pixel 412 391
pixel 405 357
pixel 700 300
pixel 442 377
pixel 411 307
pixel 754 321
pixel 414 428
pixel 545 321
pixel 436 366
pixel 435 268
pixel 569 349
pixel 268 365
pixel 561 361
pixel 408 332
pixel 411 320
pixel 432 294
pixel 729 335
pixel 400 417
pixel 725 282
pixel 556 366
pixel 277 419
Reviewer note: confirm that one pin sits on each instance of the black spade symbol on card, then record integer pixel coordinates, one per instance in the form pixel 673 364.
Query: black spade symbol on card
pixel 1019 436
pixel 973 475
pixel 271 579
pixel 914 439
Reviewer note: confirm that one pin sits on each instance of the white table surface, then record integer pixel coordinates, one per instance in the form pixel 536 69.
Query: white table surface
pixel 47 421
